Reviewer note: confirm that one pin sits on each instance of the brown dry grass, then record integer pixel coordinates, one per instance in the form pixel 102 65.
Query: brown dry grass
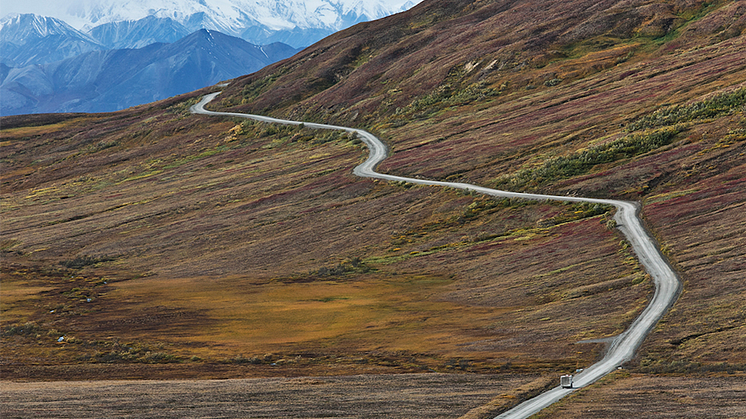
pixel 635 395
pixel 390 396
pixel 203 240
pixel 197 211
pixel 616 64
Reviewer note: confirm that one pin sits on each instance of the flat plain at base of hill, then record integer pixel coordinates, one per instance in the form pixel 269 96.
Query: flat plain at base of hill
pixel 386 395
pixel 624 395
pixel 390 396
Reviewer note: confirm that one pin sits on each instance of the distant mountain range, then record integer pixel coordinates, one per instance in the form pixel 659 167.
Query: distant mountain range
pixel 139 33
pixel 124 54
pixel 108 80
pixel 31 39
pixel 298 23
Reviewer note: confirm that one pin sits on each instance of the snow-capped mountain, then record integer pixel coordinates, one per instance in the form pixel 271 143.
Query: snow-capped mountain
pixel 31 39
pixel 233 17
pixel 101 81
pixel 139 33
pixel 47 65
pixel 22 28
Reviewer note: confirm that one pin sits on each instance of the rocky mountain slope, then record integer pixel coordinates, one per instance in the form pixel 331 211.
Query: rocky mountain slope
pixel 155 236
pixel 115 79
pixel 30 39
pixel 138 33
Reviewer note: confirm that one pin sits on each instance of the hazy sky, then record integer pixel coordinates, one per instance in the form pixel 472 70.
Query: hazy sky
pixel 40 7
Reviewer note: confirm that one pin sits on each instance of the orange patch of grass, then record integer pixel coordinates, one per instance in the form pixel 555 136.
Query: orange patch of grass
pixel 244 315
pixel 15 298
pixel 34 130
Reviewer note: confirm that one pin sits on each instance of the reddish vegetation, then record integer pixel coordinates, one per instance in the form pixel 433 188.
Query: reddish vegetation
pixel 163 235
pixel 207 242
pixel 614 63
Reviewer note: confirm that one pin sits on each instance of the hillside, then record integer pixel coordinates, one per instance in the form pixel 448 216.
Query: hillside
pixel 293 22
pixel 154 243
pixel 634 100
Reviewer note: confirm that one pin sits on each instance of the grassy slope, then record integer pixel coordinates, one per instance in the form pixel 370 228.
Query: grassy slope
pixel 467 99
pixel 162 237
pixel 184 219
pixel 492 97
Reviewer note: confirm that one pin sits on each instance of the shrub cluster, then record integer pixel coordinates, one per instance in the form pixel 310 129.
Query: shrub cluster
pixel 446 96
pixel 485 205
pixel 647 133
pixel 718 105
pixel 580 210
pixel 353 265
pixel 291 133
pixel 130 353
pixel 252 90
pixel 26 329
pixel 240 359
pixel 85 260
pixel 581 161
pixel 126 356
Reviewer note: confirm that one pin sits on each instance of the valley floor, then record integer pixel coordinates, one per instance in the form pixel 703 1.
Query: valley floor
pixel 639 395
pixel 392 396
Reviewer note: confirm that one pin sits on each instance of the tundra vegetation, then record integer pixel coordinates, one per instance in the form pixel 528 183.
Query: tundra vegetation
pixel 158 243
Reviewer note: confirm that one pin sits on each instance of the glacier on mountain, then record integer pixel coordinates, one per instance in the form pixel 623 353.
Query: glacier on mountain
pixel 227 16
pixel 296 22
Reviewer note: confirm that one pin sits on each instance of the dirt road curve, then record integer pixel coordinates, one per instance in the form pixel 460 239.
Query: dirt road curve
pixel 623 347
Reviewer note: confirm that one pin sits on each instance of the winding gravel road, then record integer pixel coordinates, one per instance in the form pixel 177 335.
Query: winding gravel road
pixel 623 347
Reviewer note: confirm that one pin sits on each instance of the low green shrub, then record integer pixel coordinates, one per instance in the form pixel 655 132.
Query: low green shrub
pixel 715 106
pixel 85 260
pixel 26 329
pixel 582 161
pixel 446 96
